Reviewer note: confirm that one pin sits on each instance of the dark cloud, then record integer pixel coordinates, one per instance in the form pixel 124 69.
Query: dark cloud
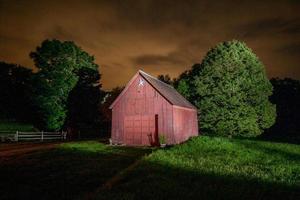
pixel 159 36
pixel 269 26
pixel 59 31
pixel 293 30
pixel 156 60
pixel 290 49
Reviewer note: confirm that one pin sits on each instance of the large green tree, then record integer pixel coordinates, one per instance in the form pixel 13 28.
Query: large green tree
pixel 58 65
pixel 232 91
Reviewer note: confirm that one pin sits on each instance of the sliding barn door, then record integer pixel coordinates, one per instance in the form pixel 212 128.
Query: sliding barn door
pixel 139 130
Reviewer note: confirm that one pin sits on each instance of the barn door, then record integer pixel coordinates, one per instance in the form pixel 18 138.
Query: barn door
pixel 128 130
pixel 140 130
pixel 132 130
pixel 148 130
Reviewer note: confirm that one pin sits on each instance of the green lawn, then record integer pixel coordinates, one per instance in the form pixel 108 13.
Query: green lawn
pixel 15 126
pixel 69 172
pixel 202 168
pixel 214 168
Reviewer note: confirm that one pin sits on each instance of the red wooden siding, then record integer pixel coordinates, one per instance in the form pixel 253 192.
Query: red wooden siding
pixel 185 123
pixel 133 116
pixel 140 104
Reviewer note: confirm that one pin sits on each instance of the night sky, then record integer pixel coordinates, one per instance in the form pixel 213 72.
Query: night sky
pixel 159 37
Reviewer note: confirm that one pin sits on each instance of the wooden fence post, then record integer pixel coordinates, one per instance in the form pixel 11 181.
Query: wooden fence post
pixel 17 136
pixel 42 136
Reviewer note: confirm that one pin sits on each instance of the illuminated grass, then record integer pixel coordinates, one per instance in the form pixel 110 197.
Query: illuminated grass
pixel 202 168
pixel 215 168
pixel 87 146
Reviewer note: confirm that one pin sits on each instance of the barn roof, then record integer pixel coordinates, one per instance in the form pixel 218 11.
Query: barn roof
pixel 167 91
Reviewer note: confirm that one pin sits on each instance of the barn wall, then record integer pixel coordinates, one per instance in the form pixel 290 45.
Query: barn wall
pixel 139 104
pixel 185 123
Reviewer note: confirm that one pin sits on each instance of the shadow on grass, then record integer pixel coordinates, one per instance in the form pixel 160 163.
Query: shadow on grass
pixel 152 180
pixel 279 138
pixel 68 172
pixel 214 168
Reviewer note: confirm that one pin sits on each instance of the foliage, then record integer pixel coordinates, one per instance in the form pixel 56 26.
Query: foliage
pixel 237 169
pixel 15 87
pixel 286 96
pixel 165 78
pixel 84 100
pixel 108 99
pixel 184 84
pixel 58 64
pixel 162 139
pixel 231 90
pixel 184 89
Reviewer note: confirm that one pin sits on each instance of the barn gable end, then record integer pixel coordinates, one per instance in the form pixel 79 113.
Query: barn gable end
pixel 144 110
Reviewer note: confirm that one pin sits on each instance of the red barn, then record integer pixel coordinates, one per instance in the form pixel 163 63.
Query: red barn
pixel 148 108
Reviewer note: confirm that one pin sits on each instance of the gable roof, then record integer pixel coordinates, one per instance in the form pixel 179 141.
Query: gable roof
pixel 167 91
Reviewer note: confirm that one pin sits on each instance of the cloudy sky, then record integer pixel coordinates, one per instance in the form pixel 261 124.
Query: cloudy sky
pixel 158 36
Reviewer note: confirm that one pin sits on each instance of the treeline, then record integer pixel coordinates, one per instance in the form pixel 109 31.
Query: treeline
pixel 229 87
pixel 234 97
pixel 64 93
pixel 16 92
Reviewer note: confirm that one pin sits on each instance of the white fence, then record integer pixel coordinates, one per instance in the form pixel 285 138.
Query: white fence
pixel 32 136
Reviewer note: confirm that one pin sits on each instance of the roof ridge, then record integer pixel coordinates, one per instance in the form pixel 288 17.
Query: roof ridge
pixel 178 99
pixel 165 90
pixel 156 79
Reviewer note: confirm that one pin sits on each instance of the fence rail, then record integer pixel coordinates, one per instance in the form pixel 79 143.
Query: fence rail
pixel 32 136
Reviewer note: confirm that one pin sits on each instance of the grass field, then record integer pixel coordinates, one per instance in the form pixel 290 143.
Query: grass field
pixel 15 126
pixel 70 171
pixel 202 168
pixel 215 168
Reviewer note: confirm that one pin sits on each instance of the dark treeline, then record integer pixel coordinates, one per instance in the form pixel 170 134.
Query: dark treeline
pixel 16 92
pixel 84 102
pixel 286 96
pixel 87 105
pixel 65 93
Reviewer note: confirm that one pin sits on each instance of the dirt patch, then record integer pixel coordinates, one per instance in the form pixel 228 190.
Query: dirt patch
pixel 16 150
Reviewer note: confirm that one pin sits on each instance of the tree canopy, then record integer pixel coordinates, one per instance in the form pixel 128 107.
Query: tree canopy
pixel 15 87
pixel 58 66
pixel 231 90
pixel 184 84
pixel 165 78
pixel 84 100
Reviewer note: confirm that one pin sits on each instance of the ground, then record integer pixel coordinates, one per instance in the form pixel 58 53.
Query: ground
pixel 204 167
